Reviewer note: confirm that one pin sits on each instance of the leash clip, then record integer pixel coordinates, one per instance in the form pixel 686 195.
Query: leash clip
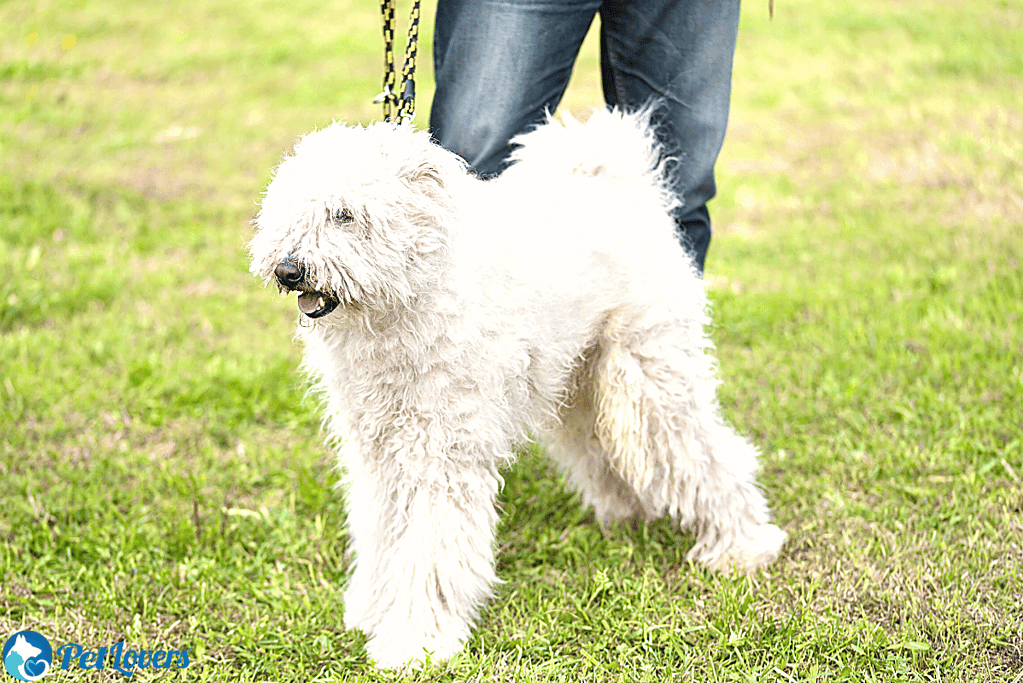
pixel 386 96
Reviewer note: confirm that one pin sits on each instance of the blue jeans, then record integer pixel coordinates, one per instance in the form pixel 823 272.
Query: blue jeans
pixel 501 64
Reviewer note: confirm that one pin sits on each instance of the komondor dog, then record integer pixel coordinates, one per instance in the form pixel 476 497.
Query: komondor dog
pixel 448 319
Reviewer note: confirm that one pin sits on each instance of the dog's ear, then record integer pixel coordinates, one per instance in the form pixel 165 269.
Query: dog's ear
pixel 433 176
pixel 432 171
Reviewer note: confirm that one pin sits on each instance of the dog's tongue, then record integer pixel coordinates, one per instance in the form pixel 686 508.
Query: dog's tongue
pixel 314 304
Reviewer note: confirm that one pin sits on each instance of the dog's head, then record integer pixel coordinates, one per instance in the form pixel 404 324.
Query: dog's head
pixel 357 218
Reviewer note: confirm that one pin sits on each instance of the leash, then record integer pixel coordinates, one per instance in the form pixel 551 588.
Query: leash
pixel 403 106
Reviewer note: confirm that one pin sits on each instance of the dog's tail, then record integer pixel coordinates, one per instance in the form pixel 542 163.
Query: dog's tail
pixel 620 146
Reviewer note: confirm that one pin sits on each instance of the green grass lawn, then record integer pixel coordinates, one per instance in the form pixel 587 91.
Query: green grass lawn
pixel 163 479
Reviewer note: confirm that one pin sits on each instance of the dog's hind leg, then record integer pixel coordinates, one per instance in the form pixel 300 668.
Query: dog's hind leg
pixel 659 422
pixel 573 445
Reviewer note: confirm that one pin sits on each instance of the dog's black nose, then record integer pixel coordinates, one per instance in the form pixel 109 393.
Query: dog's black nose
pixel 289 273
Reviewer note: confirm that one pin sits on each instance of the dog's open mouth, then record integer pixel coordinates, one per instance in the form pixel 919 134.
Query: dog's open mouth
pixel 316 304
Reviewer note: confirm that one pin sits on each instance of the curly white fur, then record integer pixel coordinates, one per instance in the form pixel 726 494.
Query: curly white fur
pixel 554 301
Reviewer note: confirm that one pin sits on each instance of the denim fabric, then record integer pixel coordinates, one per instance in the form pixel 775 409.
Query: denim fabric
pixel 501 64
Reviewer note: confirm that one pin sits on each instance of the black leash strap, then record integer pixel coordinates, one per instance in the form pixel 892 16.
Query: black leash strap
pixel 403 105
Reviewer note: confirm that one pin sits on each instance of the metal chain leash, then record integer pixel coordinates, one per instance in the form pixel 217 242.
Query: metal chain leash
pixel 403 106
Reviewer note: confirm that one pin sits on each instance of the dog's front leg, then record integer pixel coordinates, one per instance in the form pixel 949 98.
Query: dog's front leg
pixel 422 530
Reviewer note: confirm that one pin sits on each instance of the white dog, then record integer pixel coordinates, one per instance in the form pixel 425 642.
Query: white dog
pixel 449 319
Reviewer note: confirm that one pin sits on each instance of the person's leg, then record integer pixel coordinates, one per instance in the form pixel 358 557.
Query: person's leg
pixel 499 66
pixel 677 53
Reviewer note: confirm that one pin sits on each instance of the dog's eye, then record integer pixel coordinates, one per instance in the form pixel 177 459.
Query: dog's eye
pixel 341 216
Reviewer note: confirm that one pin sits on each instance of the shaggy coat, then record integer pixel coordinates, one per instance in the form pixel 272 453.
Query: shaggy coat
pixel 449 319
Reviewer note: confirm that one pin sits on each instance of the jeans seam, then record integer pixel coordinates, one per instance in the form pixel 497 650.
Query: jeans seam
pixel 616 74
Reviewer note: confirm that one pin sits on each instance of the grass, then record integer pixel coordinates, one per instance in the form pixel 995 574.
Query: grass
pixel 164 481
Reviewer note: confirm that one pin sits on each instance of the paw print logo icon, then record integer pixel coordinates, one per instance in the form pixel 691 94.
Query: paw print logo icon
pixel 27 656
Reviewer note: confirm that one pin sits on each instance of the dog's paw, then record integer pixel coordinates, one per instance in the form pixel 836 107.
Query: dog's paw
pixel 744 551
pixel 394 651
